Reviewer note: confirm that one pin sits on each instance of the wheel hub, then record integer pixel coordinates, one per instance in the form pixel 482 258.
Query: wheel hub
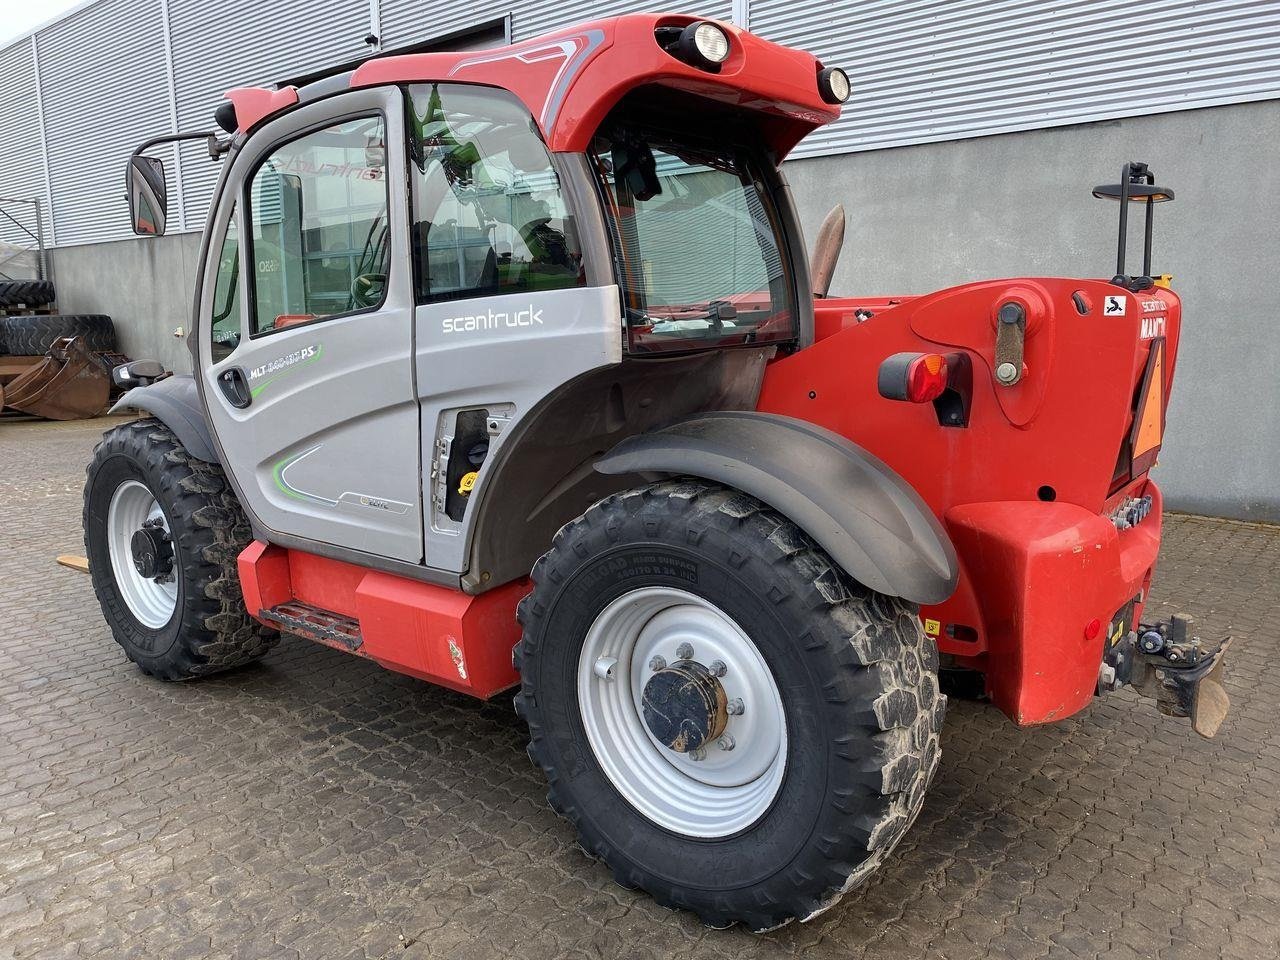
pixel 152 551
pixel 685 707
pixel 682 712
pixel 144 565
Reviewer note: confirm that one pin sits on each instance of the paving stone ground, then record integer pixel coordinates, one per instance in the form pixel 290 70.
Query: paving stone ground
pixel 315 806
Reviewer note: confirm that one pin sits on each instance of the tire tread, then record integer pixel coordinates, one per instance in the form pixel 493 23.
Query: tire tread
pixel 31 336
pixel 887 671
pixel 217 632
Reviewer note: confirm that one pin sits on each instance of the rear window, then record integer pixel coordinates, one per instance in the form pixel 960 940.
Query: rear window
pixel 698 243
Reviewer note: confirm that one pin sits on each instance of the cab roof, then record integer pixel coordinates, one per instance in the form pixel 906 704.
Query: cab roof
pixel 570 80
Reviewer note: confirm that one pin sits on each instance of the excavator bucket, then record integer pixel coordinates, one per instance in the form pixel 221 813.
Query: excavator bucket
pixel 68 383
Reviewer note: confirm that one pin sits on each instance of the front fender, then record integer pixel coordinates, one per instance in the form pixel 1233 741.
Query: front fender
pixel 175 402
pixel 866 517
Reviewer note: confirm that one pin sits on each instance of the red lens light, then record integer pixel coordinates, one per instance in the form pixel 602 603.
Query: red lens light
pixel 1092 628
pixel 926 378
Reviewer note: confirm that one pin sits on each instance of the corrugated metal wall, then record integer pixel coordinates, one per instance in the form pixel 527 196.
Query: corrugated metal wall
pixel 406 22
pixel 115 72
pixel 926 70
pixel 218 44
pixel 104 87
pixel 21 143
pixel 535 18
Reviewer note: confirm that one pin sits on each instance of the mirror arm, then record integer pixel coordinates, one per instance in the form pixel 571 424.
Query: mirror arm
pixel 216 148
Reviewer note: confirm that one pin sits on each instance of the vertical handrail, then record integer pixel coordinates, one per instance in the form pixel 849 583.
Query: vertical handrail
pixel 1125 172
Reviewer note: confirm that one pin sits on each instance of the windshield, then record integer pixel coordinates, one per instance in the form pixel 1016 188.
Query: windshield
pixel 698 243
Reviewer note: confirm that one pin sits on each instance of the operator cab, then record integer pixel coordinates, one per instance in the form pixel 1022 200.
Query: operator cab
pixel 407 269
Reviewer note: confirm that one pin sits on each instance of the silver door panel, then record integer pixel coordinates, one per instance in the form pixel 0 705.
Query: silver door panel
pixel 328 449
pixel 501 352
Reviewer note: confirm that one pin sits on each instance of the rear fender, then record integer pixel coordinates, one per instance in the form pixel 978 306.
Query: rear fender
pixel 174 402
pixel 865 516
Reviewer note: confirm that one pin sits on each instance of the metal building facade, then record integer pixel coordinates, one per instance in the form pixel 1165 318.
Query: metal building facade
pixel 80 93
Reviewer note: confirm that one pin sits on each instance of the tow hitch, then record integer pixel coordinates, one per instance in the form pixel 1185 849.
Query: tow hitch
pixel 1164 662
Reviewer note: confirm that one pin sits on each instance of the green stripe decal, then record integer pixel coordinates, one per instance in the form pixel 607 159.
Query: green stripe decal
pixel 254 391
pixel 276 472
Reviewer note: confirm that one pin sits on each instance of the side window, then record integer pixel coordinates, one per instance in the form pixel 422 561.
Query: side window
pixel 488 214
pixel 318 218
pixel 225 336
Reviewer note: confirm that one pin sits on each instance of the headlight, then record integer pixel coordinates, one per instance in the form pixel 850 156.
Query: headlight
pixel 833 85
pixel 704 45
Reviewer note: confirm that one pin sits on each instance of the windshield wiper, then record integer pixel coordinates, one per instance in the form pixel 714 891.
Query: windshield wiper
pixel 717 312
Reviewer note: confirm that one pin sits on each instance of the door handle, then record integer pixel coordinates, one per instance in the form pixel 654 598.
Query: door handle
pixel 235 387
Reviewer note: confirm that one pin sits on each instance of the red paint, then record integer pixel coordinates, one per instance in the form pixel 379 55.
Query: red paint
pixel 255 104
pixel 571 79
pixel 434 633
pixel 264 576
pixel 1025 490
pixel 1025 587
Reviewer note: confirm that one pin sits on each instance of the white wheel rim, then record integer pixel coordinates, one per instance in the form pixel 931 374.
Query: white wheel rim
pixel 152 601
pixel 728 790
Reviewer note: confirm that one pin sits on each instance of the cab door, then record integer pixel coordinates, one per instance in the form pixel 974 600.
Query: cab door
pixel 306 351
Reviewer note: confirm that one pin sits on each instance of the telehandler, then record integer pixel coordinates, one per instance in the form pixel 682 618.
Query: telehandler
pixel 510 371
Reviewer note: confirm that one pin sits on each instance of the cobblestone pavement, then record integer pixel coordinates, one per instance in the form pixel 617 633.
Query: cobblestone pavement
pixel 316 806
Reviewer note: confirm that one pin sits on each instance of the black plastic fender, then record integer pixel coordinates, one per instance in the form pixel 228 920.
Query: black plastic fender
pixel 870 520
pixel 175 402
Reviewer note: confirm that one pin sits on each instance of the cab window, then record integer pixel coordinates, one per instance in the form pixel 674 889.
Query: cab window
pixel 698 242
pixel 318 216
pixel 226 326
pixel 488 213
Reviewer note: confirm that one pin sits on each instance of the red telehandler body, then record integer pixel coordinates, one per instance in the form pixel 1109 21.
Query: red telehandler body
pixel 510 370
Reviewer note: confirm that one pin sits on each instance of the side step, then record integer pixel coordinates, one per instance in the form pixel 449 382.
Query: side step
pixel 315 623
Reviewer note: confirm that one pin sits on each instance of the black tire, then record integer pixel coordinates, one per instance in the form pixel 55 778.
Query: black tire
pixel 859 685
pixel 210 629
pixel 31 336
pixel 29 293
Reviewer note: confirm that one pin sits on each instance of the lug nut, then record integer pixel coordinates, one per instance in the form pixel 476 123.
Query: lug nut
pixel 657 663
pixel 727 742
pixel 684 652
pixel 717 668
pixel 735 707
pixel 697 754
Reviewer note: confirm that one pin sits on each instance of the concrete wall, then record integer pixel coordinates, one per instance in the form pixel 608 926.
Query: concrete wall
pixel 930 216
pixel 144 285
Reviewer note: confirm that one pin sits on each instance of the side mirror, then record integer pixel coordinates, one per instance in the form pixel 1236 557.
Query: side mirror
pixel 139 373
pixel 148 196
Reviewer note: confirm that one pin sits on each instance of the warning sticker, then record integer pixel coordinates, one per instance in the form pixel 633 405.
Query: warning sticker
pixel 1149 424
pixel 1114 307
pixel 932 627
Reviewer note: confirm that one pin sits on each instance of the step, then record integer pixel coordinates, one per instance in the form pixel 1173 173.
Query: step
pixel 315 623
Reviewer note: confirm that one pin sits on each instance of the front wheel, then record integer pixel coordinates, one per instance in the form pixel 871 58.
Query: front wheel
pixel 162 531
pixel 727 719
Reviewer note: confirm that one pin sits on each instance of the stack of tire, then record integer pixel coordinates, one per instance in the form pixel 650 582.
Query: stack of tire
pixel 31 334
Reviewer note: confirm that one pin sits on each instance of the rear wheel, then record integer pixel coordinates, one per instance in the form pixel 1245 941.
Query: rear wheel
pixel 727 719
pixel 162 532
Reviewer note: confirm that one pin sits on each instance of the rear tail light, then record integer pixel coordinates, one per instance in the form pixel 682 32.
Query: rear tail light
pixel 914 377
